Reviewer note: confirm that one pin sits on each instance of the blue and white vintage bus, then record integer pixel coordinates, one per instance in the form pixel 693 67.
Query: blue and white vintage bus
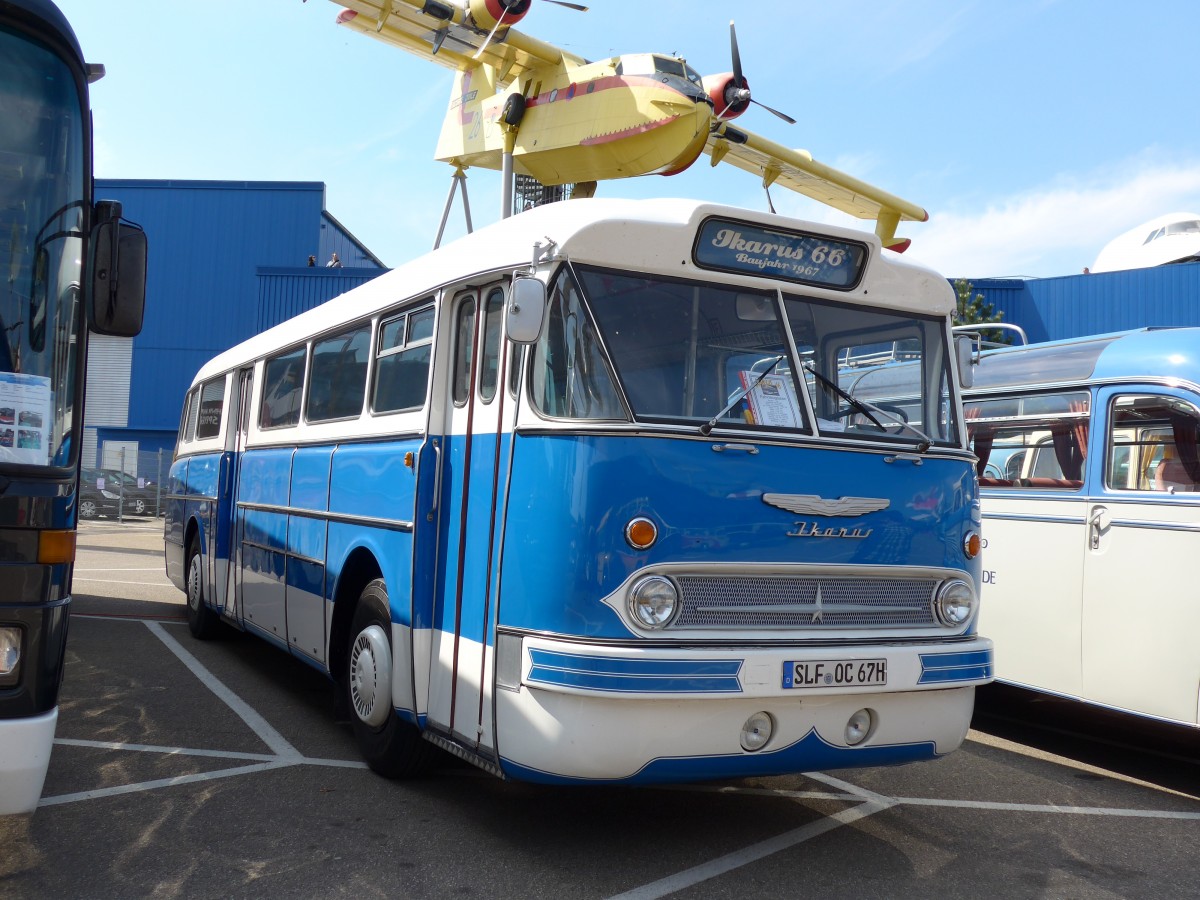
pixel 1090 483
pixel 588 496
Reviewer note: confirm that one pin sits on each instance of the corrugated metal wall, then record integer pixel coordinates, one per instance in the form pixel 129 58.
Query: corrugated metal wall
pixel 208 242
pixel 287 292
pixel 1051 309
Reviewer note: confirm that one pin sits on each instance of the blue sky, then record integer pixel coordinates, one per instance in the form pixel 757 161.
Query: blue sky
pixel 1033 131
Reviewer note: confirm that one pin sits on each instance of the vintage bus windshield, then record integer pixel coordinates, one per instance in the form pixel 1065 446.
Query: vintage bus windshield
pixel 41 220
pixel 674 351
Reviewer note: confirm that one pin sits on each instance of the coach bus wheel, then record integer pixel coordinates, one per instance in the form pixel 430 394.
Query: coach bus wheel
pixel 392 747
pixel 202 621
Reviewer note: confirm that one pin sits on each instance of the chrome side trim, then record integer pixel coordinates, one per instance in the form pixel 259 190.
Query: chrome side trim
pixel 339 518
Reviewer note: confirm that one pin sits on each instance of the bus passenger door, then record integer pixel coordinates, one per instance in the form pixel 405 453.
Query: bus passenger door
pixel 232 524
pixel 470 505
pixel 1140 615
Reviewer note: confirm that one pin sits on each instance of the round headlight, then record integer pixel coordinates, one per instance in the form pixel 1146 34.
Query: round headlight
pixel 954 604
pixel 653 601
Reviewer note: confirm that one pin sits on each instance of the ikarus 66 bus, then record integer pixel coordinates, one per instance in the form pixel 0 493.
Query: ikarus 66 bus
pixel 592 495
pixel 68 263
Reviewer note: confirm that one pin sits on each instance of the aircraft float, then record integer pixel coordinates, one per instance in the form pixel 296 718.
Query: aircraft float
pixel 521 104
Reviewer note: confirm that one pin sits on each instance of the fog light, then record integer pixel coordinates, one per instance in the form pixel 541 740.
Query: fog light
pixel 652 601
pixel 10 649
pixel 859 727
pixel 757 731
pixel 972 544
pixel 641 533
pixel 954 604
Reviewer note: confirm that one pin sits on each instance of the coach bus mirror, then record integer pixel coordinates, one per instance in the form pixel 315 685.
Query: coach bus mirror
pixel 755 308
pixel 526 306
pixel 117 267
pixel 964 349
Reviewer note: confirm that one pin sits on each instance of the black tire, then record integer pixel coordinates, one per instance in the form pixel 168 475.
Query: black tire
pixel 391 747
pixel 202 621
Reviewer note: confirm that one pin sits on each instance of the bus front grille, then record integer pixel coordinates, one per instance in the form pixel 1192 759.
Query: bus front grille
pixel 816 602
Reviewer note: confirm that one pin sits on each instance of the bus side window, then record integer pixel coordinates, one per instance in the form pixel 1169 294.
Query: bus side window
pixel 402 362
pixel 189 424
pixel 493 319
pixel 282 378
pixel 338 376
pixel 1152 445
pixel 185 418
pixel 464 349
pixel 212 403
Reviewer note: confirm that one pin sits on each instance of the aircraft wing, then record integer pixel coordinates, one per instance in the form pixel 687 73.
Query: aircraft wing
pixel 451 41
pixel 797 170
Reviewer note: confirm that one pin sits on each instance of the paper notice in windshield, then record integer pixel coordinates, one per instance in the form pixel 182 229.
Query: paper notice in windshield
pixel 773 402
pixel 24 418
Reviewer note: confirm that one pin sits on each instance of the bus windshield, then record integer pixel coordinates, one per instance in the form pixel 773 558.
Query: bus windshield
pixel 42 191
pixel 694 352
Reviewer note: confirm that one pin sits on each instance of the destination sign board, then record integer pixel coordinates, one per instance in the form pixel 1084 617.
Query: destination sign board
pixel 742 247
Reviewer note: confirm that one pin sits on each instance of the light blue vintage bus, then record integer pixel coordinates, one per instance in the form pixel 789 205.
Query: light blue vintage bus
pixel 588 496
pixel 1090 475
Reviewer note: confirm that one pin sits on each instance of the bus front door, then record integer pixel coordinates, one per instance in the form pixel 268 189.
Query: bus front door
pixel 470 505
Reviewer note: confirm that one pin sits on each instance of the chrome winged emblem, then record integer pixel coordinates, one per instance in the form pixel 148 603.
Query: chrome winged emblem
pixel 815 505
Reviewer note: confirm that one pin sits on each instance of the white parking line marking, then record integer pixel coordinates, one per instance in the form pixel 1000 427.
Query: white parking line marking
pixel 163 782
pixel 166 751
pixel 257 723
pixel 753 853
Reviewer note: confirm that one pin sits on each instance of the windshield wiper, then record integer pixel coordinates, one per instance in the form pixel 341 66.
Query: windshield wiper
pixel 741 395
pixel 867 408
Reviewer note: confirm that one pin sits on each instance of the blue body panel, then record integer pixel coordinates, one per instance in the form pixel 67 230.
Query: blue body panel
pixel 572 496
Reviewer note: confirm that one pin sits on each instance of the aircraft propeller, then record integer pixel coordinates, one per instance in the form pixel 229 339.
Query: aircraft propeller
pixel 737 91
pixel 518 7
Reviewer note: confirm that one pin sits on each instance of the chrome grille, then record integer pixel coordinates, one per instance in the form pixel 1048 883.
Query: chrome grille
pixel 820 602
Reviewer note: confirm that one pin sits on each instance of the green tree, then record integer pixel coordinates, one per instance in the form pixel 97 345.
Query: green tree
pixel 973 310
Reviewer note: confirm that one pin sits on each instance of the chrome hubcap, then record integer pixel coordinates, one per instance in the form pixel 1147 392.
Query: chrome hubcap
pixel 371 676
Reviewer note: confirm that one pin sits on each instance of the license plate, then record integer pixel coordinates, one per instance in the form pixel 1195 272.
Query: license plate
pixel 829 673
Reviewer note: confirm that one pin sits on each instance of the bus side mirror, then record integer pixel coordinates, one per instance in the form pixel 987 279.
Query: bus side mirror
pixel 526 307
pixel 117 266
pixel 964 350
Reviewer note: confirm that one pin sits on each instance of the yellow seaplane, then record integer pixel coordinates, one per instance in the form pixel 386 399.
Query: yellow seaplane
pixel 521 104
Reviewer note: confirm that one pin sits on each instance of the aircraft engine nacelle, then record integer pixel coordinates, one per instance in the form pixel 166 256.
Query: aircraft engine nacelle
pixel 729 98
pixel 486 13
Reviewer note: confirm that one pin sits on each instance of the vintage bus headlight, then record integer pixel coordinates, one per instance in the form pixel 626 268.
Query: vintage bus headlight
pixel 653 601
pixel 10 649
pixel 954 604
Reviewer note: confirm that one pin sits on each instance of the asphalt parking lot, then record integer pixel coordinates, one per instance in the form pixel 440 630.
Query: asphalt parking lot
pixel 188 769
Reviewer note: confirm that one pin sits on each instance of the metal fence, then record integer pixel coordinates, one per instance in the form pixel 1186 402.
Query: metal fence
pixel 127 485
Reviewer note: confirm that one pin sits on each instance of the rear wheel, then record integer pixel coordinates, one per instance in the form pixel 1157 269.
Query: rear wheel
pixel 87 509
pixel 391 747
pixel 202 621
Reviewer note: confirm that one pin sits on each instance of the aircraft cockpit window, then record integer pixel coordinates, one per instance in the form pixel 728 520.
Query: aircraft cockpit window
pixel 1192 227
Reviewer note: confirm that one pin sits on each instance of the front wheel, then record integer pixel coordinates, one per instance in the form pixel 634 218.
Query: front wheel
pixel 391 747
pixel 202 621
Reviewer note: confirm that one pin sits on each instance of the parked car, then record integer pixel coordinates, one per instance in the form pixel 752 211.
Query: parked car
pixel 107 492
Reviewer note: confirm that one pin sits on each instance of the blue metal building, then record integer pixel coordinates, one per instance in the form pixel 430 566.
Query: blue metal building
pixel 228 259
pixel 1051 309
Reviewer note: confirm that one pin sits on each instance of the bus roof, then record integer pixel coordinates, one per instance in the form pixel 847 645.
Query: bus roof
pixel 1145 352
pixel 655 236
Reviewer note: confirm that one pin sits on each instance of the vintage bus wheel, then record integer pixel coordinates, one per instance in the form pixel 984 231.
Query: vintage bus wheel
pixel 202 621
pixel 390 746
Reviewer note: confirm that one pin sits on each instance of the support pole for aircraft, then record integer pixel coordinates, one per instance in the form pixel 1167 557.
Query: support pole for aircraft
pixel 507 179
pixel 459 177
